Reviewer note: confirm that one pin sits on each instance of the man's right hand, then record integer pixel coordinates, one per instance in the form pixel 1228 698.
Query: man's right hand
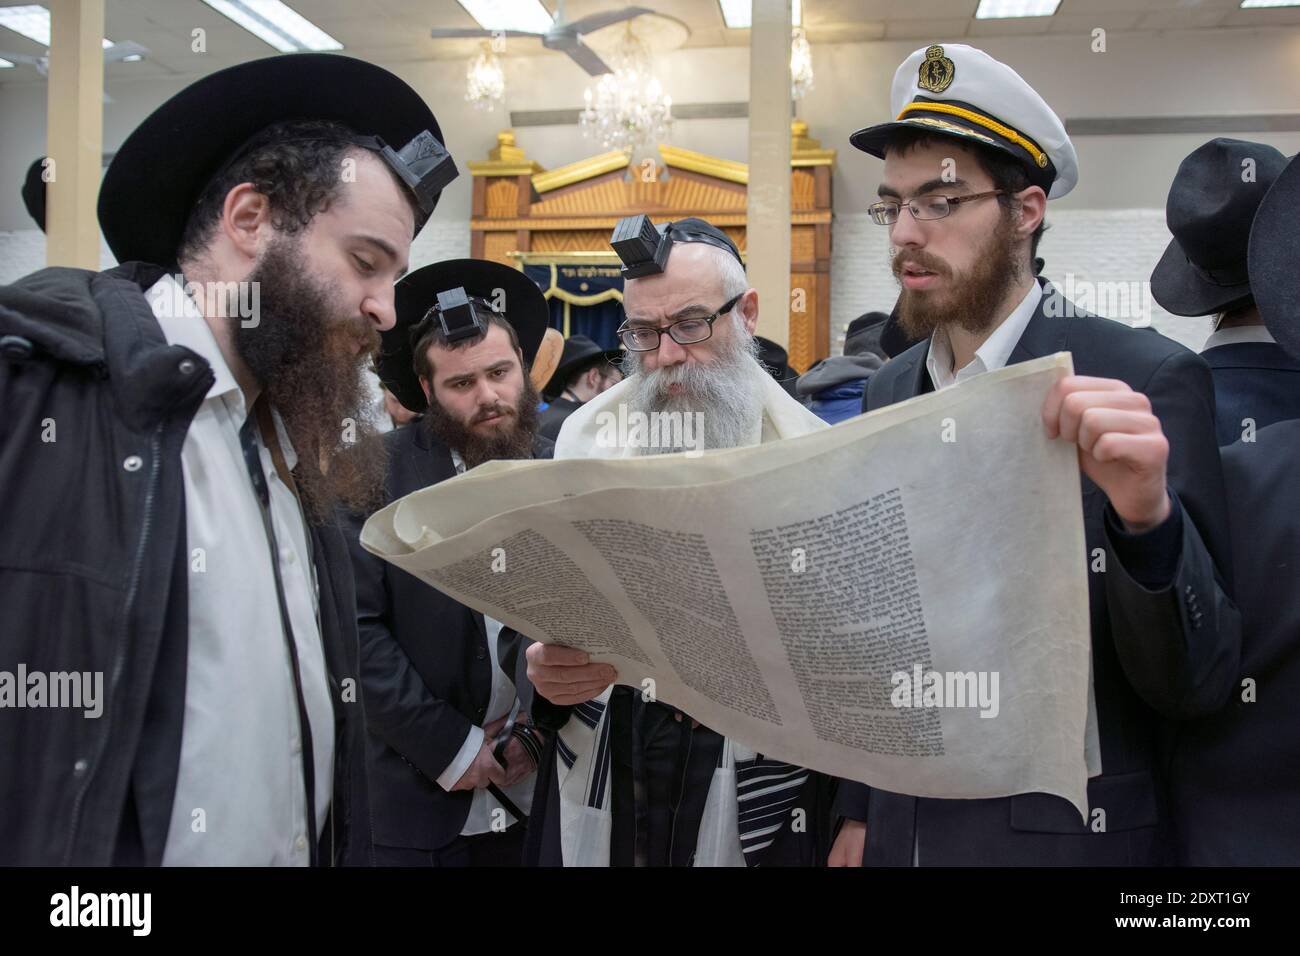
pixel 565 676
pixel 483 770
pixel 849 845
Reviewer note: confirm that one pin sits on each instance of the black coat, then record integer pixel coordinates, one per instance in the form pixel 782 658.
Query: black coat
pixel 1236 782
pixel 1255 380
pixel 1157 655
pixel 425 667
pixel 94 576
pixel 554 416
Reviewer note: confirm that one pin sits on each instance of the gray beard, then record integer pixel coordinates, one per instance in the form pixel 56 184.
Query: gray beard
pixel 727 394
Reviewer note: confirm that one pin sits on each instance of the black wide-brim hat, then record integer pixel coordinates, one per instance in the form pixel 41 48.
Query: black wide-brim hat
pixel 160 171
pixel 1271 260
pixel 577 349
pixel 34 192
pixel 417 293
pixel 1209 212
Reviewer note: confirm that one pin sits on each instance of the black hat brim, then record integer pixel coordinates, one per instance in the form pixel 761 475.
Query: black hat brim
pixel 34 192
pixel 1180 290
pixel 159 172
pixel 417 293
pixel 876 139
pixel 1271 259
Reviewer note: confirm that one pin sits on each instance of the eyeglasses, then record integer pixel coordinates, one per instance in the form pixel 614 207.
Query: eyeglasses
pixel 886 212
pixel 646 338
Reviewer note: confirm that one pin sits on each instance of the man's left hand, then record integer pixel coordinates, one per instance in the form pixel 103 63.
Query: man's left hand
pixel 1120 442
pixel 518 762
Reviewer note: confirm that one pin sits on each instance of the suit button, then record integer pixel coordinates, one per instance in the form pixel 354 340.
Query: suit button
pixel 480 654
pixel 482 712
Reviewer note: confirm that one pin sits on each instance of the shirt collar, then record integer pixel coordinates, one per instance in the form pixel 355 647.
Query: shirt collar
pixel 183 324
pixel 992 354
pixel 1238 336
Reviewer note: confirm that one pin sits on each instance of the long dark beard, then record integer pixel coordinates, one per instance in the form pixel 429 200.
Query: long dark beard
pixel 973 299
pixel 301 351
pixel 515 441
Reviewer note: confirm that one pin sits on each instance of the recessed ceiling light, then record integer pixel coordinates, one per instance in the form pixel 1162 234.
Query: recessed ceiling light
pixel 739 15
pixel 527 15
pixel 1257 4
pixel 1003 9
pixel 275 23
pixel 32 21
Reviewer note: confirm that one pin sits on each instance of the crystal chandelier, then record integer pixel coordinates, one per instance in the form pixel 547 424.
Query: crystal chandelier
pixel 628 108
pixel 801 69
pixel 485 82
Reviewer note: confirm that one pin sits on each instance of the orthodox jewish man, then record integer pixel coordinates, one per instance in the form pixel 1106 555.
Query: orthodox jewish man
pixel 635 781
pixel 172 436
pixel 1211 206
pixel 1236 774
pixel 585 370
pixel 971 158
pixel 450 752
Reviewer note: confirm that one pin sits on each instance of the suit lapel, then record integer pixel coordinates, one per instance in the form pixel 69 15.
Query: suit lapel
pixel 433 465
pixel 1046 332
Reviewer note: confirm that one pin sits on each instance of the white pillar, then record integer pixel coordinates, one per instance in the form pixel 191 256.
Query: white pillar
pixel 74 132
pixel 767 232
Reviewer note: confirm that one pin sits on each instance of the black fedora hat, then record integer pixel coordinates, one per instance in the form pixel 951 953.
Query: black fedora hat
pixel 34 192
pixel 161 169
pixel 1272 259
pixel 1211 205
pixel 577 350
pixel 417 293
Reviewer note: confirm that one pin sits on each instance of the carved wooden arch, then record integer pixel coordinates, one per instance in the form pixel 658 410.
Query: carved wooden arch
pixel 524 213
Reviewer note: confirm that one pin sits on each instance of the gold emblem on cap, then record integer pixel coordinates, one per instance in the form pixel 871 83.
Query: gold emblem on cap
pixel 936 72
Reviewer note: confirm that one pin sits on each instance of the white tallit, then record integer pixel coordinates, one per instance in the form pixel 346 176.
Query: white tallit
pixel 582 752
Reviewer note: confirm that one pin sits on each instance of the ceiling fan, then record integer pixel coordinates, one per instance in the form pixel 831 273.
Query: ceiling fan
pixel 563 36
pixel 112 54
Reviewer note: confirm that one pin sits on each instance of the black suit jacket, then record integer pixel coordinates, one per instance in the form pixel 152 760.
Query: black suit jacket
pixel 1236 780
pixel 1162 654
pixel 425 668
pixel 1255 380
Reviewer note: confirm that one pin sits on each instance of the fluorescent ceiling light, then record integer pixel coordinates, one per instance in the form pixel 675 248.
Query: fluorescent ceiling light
pixel 738 14
pixel 6 65
pixel 276 24
pixel 1257 4
pixel 1001 9
pixel 33 22
pixel 527 15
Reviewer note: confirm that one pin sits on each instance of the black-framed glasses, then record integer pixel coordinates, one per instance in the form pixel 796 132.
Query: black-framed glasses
pixel 887 211
pixel 645 338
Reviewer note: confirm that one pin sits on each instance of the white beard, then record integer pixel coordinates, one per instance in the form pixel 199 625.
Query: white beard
pixel 726 394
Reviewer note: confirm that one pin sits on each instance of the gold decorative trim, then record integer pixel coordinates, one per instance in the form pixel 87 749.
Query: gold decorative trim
pixel 694 162
pixel 563 258
pixel 587 168
pixel 491 167
pixel 805 150
pixel 541 224
pixel 505 159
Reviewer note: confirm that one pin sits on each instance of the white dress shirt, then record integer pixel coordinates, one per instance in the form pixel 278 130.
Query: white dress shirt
pixel 500 703
pixel 1236 336
pixel 240 798
pixel 992 355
